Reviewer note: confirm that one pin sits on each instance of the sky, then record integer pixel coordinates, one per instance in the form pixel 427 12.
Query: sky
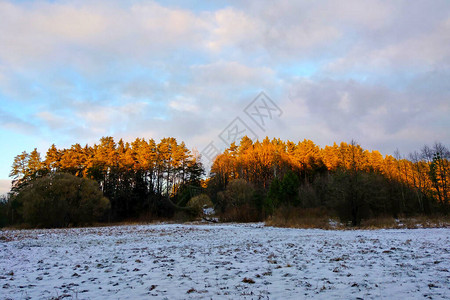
pixel 377 72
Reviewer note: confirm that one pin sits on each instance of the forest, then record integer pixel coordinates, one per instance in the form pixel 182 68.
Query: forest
pixel 251 181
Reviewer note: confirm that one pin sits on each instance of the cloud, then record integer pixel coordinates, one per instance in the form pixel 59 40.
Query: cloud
pixel 374 70
pixel 92 35
pixel 417 39
pixel 11 122
pixel 231 74
pixel 371 113
pixel 184 104
pixel 53 121
pixel 233 27
pixel 39 30
pixel 100 120
pixel 5 186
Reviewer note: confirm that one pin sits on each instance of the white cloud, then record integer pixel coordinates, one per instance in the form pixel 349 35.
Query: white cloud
pixel 86 69
pixel 184 104
pixel 11 122
pixel 5 186
pixel 91 34
pixel 52 120
pixel 104 119
pixel 231 73
pixel 232 27
pixel 395 50
pixel 372 114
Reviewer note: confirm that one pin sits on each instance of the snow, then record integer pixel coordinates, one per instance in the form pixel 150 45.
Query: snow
pixel 209 211
pixel 224 261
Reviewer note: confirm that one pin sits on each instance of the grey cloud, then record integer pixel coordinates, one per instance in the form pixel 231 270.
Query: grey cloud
pixel 14 123
pixel 150 70
pixel 274 31
pixel 5 186
pixel 231 74
pixel 376 112
pixel 340 102
pixel 143 89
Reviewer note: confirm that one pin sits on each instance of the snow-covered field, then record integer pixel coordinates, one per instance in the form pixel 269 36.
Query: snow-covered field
pixel 224 262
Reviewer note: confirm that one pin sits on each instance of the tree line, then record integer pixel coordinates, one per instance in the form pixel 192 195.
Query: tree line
pixel 142 178
pixel 249 181
pixel 346 179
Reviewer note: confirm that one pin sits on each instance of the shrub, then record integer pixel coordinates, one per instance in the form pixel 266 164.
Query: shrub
pixel 289 188
pixel 273 197
pixel 239 192
pixel 199 202
pixel 296 217
pixel 237 202
pixel 60 200
pixel 3 210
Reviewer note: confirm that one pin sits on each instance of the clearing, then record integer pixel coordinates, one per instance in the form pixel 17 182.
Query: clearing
pixel 224 261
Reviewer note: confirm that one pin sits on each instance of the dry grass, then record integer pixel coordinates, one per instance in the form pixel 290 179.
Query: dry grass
pixel 377 223
pixel 321 218
pixel 426 222
pixel 290 217
pixel 302 218
pixel 243 214
pixel 407 222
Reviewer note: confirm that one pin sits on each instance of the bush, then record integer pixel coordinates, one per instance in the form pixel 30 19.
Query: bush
pixel 3 211
pixel 273 197
pixel 289 188
pixel 237 202
pixel 199 202
pixel 296 217
pixel 60 200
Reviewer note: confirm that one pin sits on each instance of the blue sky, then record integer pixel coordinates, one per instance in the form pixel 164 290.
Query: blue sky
pixel 74 71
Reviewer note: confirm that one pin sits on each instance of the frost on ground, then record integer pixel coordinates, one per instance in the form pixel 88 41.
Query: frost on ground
pixel 224 262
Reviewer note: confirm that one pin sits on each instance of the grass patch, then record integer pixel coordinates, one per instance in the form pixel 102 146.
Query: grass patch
pixel 321 218
pixel 293 217
pixel 406 222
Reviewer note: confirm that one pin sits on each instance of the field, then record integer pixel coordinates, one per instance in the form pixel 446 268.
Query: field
pixel 231 261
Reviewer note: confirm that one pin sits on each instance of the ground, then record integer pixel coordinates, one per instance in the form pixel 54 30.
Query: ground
pixel 232 261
